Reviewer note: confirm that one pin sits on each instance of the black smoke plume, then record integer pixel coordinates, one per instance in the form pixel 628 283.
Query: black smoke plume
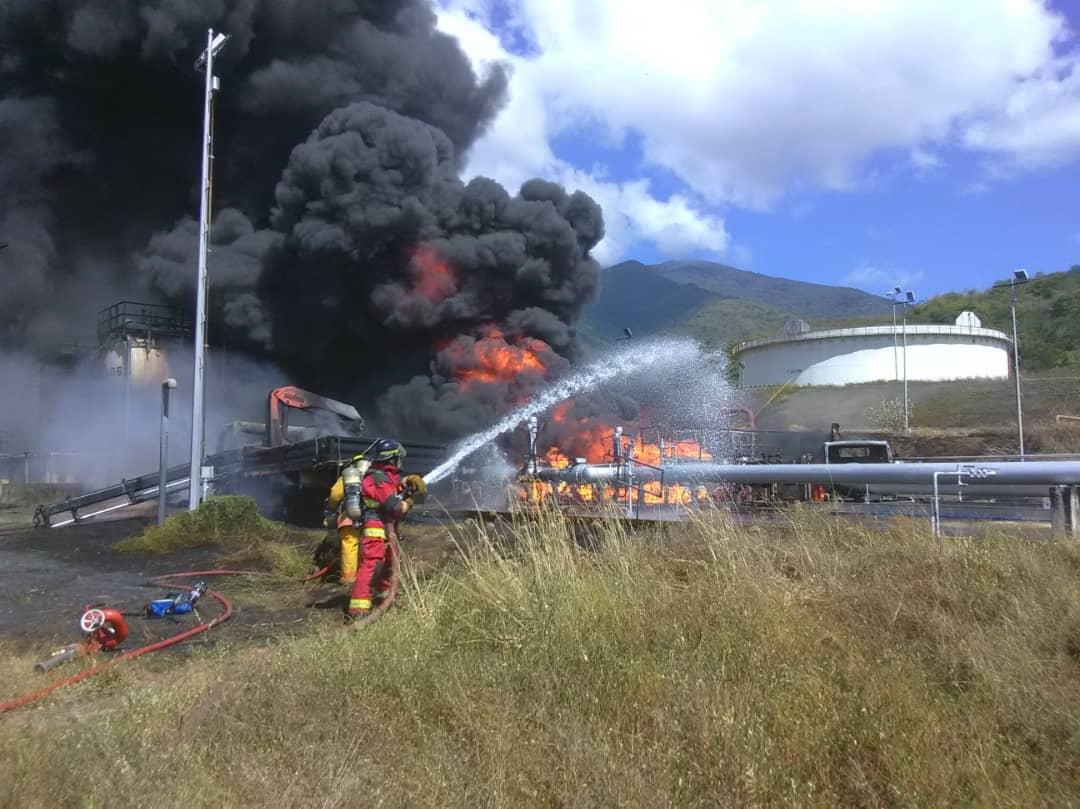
pixel 344 246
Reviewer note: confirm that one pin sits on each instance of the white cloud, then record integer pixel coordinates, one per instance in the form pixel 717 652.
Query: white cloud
pixel 924 161
pixel 878 280
pixel 1039 125
pixel 517 148
pixel 747 100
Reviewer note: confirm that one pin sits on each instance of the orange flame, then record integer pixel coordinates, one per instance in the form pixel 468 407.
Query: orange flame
pixel 433 277
pixel 495 359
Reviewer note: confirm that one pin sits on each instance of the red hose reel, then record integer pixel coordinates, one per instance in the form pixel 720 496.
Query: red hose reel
pixel 106 627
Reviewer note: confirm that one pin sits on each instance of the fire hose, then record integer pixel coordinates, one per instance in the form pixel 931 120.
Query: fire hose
pixel 226 614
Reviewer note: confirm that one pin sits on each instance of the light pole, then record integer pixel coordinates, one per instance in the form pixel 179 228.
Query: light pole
pixel 214 44
pixel 906 299
pixel 909 299
pixel 895 356
pixel 1018 277
pixel 163 452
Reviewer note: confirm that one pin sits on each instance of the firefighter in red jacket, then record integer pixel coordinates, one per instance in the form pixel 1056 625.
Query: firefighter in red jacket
pixel 372 495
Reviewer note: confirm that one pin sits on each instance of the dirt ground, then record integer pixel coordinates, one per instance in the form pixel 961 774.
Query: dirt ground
pixel 48 576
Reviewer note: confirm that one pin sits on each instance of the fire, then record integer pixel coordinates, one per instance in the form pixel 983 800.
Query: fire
pixel 582 435
pixel 682 450
pixel 596 445
pixel 555 458
pixel 589 440
pixel 433 277
pixel 495 359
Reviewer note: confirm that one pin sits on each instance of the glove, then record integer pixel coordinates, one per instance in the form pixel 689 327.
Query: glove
pixel 416 488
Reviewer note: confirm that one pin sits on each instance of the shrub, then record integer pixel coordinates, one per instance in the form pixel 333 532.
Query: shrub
pixel 888 416
pixel 228 520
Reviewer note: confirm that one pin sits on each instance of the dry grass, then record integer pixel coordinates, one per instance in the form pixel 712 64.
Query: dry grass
pixel 1053 437
pixel 234 524
pixel 808 663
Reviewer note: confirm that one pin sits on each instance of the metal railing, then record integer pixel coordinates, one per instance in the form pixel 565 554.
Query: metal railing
pixel 73 467
pixel 876 331
pixel 143 319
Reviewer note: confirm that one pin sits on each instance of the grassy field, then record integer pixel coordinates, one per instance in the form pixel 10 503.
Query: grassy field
pixel 811 662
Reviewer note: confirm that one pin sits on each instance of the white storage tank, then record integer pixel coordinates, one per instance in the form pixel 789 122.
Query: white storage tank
pixel 876 353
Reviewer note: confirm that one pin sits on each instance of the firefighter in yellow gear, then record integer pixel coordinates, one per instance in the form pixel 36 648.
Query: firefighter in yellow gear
pixel 337 517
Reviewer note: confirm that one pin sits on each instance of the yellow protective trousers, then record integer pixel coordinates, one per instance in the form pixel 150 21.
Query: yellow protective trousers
pixel 349 536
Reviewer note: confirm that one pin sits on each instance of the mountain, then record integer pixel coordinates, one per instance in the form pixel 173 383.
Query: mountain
pixel 715 303
pixel 798 297
pixel 1047 316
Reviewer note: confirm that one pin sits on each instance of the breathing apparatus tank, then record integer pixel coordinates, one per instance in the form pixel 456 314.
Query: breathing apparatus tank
pixel 352 476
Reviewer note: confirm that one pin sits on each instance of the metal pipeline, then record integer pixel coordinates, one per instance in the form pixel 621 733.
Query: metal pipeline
pixel 1028 473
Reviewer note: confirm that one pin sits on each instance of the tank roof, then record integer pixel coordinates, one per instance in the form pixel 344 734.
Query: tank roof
pixel 941 330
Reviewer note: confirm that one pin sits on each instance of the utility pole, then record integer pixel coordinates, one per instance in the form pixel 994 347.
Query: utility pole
pixel 907 406
pixel 214 44
pixel 907 298
pixel 163 449
pixel 895 357
pixel 1018 277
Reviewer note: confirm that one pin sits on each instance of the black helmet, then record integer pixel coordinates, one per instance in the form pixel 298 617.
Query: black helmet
pixel 386 450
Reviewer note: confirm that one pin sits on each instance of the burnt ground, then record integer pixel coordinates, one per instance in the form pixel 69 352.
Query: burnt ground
pixel 48 575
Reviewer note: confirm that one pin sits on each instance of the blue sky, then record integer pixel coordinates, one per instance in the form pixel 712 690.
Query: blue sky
pixel 860 142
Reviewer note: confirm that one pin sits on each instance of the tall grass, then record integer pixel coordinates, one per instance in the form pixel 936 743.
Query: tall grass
pixel 810 662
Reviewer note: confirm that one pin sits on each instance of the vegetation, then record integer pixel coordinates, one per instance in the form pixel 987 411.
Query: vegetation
pixel 727 321
pixel 232 522
pixel 712 303
pixel 983 403
pixel 800 298
pixel 811 663
pixel 1048 316
pixel 721 305
pixel 887 415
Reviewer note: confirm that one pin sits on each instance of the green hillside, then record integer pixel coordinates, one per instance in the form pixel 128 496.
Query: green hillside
pixel 1047 311
pixel 635 297
pixel 723 321
pixel 714 303
pixel 803 299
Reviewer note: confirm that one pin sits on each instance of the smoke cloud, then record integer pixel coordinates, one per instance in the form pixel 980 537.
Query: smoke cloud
pixel 345 248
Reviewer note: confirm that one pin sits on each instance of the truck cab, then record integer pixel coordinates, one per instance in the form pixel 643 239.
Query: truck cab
pixel 858 451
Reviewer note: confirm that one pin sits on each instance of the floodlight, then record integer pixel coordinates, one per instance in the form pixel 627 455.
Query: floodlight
pixel 216 44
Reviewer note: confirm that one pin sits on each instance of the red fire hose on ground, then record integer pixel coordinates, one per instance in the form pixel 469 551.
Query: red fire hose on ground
pixel 225 615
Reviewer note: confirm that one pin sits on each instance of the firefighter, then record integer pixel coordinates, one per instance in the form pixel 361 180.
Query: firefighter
pixel 374 498
pixel 338 521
